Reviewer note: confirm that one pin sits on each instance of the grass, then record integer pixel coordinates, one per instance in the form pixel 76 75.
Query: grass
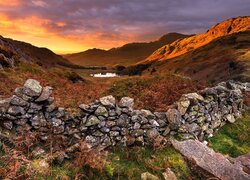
pixel 131 162
pixel 233 139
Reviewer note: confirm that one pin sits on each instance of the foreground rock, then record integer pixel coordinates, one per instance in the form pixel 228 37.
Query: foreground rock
pixel 212 162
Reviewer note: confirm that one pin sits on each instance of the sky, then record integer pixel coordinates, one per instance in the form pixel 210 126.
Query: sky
pixel 67 26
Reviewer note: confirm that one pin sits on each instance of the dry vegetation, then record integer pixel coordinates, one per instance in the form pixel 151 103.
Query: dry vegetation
pixel 155 93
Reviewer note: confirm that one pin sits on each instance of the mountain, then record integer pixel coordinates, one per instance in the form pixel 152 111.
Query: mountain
pixel 126 55
pixel 224 58
pixel 12 52
pixel 182 46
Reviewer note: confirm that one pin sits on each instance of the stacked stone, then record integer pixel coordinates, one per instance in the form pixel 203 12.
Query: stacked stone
pixel 31 108
pixel 108 123
pixel 199 115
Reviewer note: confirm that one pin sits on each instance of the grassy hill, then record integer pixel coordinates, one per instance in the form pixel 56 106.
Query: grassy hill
pixel 126 55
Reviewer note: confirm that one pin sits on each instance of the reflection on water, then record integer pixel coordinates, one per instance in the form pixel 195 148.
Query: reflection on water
pixel 104 75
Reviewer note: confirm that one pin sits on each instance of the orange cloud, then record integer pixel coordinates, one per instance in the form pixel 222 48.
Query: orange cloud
pixel 33 30
pixel 10 3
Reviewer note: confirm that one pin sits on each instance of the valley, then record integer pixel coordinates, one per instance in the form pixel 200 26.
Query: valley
pixel 124 113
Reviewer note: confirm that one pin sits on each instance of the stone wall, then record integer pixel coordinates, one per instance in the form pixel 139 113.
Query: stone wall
pixel 108 123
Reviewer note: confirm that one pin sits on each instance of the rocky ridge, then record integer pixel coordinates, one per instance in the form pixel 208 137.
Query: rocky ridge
pixel 107 123
pixel 182 46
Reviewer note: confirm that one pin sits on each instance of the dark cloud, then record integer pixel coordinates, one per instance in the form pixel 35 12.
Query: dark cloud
pixel 121 19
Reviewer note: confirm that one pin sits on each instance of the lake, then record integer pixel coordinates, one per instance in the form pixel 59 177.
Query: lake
pixel 103 75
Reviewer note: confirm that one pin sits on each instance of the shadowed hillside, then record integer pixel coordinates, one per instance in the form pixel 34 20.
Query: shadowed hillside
pixel 13 52
pixel 126 55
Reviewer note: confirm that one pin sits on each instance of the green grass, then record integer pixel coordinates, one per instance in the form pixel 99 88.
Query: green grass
pixel 233 139
pixel 130 163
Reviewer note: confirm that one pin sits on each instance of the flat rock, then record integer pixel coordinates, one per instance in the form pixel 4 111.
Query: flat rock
pixel 212 162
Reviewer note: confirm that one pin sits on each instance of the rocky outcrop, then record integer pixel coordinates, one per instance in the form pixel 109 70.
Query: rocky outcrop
pixel 107 122
pixel 212 162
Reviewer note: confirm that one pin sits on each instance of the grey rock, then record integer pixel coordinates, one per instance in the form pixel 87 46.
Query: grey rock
pixel 47 91
pixel 32 88
pixel 137 125
pixel 161 115
pixel 87 108
pixel 101 111
pixel 212 162
pixel 148 176
pixel 92 120
pixel 126 102
pixel 148 114
pixel 137 132
pixel 174 118
pixel 58 129
pixel 4 105
pixel 114 133
pixel 107 101
pixel 110 124
pixel 152 134
pixel 16 110
pixel 194 96
pixel 230 118
pixel 17 101
pixel 191 128
pixel 56 122
pixel 51 107
pixel 169 175
pixel 183 105
pixel 8 125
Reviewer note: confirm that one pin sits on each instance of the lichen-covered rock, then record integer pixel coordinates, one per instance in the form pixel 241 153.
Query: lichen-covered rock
pixel 32 88
pixel 183 105
pixel 92 120
pixel 101 111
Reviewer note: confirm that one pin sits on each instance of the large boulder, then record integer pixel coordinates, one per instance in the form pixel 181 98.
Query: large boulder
pixel 212 162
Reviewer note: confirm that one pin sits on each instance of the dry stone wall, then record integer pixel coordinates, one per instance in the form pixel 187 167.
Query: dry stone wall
pixel 107 122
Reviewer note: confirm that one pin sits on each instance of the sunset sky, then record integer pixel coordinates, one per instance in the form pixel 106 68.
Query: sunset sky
pixel 66 26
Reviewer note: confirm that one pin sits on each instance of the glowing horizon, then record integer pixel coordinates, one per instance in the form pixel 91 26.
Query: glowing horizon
pixel 73 26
